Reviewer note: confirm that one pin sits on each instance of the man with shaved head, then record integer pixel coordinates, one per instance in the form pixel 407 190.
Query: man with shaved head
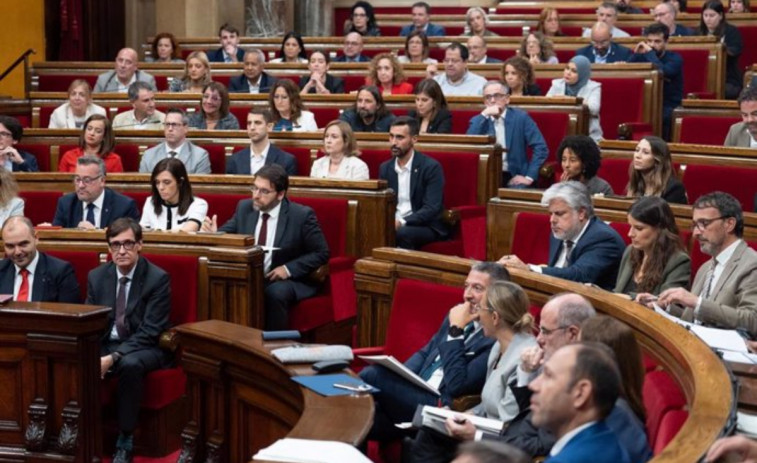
pixel 124 74
pixel 602 48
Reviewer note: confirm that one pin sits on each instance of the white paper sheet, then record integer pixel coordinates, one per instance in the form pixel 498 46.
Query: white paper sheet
pixel 310 451
pixel 391 363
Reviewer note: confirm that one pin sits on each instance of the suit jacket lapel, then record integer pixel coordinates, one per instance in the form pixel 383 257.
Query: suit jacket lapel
pixel 38 287
pixel 730 267
pixel 281 225
pixel 109 291
pixel 415 175
pixel 136 287
pixel 107 206
pixel 554 249
pixel 8 278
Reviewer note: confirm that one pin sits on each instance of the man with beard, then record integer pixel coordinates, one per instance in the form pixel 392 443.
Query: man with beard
pixel 602 48
pixel 418 181
pixel 260 152
pixel 744 134
pixel 369 114
pixel 724 292
pixel 582 247
pixel 669 63
pixel 290 235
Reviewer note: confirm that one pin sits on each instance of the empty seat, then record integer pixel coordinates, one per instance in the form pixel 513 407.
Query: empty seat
pixel 661 394
pixel 530 238
pixel 738 181
pixel 705 130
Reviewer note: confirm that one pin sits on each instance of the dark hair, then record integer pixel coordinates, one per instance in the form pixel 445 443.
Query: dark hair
pixel 655 212
pixel 424 39
pixel 121 225
pixel 13 126
pixel 620 338
pixel 411 123
pixel 369 14
pixel 222 92
pixel 175 52
pixel 681 5
pixel 179 111
pixel 718 8
pixel 495 271
pixel 747 8
pixel 422 5
pixel 293 35
pixel 381 109
pixel 109 140
pixel 228 28
pixel 586 149
pixel 432 88
pixel 275 174
pixel 523 67
pixel 265 112
pixel 596 363
pixel 487 451
pixel 657 29
pixel 748 94
pixel 322 52
pixel 135 87
pixel 294 99
pixel 658 176
pixel 727 205
pixel 609 5
pixel 459 46
pixel 177 169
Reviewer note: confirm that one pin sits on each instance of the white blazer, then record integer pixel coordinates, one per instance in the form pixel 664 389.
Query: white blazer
pixel 63 118
pixel 592 95
pixel 351 168
pixel 306 123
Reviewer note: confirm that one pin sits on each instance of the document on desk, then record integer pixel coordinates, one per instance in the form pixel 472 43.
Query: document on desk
pixel 717 338
pixel 392 364
pixel 310 451
pixel 434 418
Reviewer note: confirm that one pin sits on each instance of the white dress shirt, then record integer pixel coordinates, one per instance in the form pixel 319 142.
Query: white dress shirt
pixel 257 161
pixel 562 259
pixel 32 268
pixel 404 206
pixel 270 236
pixel 98 209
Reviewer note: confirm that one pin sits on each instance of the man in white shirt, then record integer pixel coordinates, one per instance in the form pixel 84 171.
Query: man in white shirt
pixel 724 292
pixel 457 80
pixel 124 74
pixel 195 159
pixel 144 116
pixel 744 134
pixel 607 13
pixel 261 152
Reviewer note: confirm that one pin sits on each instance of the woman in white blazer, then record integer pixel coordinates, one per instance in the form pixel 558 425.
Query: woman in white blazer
pixel 577 81
pixel 289 114
pixel 341 160
pixel 72 114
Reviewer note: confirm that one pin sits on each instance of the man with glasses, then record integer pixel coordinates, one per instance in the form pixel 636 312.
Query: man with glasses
pixel 92 205
pixel 144 116
pixel 724 292
pixel 665 13
pixel 353 49
pixel 515 131
pixel 602 48
pixel 456 79
pixel 11 158
pixel 140 296
pixel 195 159
pixel 291 237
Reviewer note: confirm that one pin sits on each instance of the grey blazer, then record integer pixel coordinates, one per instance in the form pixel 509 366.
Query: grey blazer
pixel 738 136
pixel 195 159
pixel 733 302
pixel 676 274
pixel 108 82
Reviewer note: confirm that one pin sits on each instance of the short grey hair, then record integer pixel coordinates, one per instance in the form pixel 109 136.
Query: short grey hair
pixel 573 310
pixel 489 83
pixel 572 192
pixel 495 271
pixel 135 87
pixel 90 160
pixel 257 51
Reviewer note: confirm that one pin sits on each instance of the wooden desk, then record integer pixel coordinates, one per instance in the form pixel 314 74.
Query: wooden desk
pixel 50 376
pixel 243 398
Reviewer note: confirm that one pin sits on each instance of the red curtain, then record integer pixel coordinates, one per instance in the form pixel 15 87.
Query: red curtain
pixel 71 36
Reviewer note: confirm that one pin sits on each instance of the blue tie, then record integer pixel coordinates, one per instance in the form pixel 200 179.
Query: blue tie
pixel 437 363
pixel 91 213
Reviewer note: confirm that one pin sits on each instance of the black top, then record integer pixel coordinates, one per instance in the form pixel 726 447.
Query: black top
pixel 333 83
pixel 442 123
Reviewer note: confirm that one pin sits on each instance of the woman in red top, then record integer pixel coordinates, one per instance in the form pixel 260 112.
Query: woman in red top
pixel 385 72
pixel 96 138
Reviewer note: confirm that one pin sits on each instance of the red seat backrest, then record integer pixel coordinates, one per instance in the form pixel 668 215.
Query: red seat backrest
pixel 325 115
pixel 461 119
pixel 161 82
pixel 705 130
pixel 222 205
pixel 332 216
pixel 129 156
pixel 223 79
pixel 660 395
pixel 83 263
pixel 695 66
pixel 500 53
pixel 670 424
pixel 60 82
pixel 563 56
pixel 738 181
pixel 410 328
pixel 748 53
pixel 302 155
pixel 530 239
pixel 217 154
pixel 622 101
pixel 45 113
pixel 622 228
pixel 374 158
pixel 240 112
pixel 615 172
pixel 39 206
pixel 698 257
pixel 460 177
pixel 553 126
pixel 352 83
pixel 139 197
pixel 183 272
pixel 41 152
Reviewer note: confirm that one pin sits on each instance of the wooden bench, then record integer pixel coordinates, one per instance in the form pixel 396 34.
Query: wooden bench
pixel 704 122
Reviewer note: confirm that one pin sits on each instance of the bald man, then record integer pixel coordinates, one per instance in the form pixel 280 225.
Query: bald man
pixel 124 74
pixel 602 48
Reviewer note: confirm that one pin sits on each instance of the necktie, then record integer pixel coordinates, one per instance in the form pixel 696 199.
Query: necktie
pixel 263 235
pixel 172 154
pixel 710 278
pixel 428 372
pixel 23 290
pixel 568 247
pixel 121 309
pixel 91 213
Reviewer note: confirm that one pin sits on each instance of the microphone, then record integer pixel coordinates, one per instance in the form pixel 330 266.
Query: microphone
pixel 155 121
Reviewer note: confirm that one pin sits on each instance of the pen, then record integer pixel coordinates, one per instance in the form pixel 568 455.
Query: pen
pixel 353 387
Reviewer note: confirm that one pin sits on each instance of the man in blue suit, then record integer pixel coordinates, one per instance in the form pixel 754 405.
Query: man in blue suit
pixel 573 395
pixel 92 205
pixel 229 52
pixel 12 159
pixel 602 48
pixel 582 247
pixel 421 21
pixel 418 181
pixel 260 152
pixel 30 275
pixel 514 130
pixel 353 49
pixel 253 79
pixel 454 360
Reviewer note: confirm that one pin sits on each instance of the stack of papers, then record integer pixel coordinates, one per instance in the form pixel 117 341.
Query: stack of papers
pixel 394 365
pixel 310 451
pixel 434 418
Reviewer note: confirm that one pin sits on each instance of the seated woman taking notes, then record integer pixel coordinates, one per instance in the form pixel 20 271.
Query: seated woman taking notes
pixel 172 206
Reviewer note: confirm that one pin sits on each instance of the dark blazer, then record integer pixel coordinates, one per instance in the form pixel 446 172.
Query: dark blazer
pixel 240 84
pixel 302 246
pixel 676 274
pixel 29 164
pixel 490 60
pixel 426 191
pixel 361 58
pixel 594 259
pixel 333 83
pixel 69 212
pixel 148 306
pixel 432 30
pixel 239 162
pixel 379 125
pixel 615 54
pixel 675 192
pixel 682 31
pixel 442 123
pixel 54 280
pixel 521 132
pixel 597 444
pixel 216 56
pixel 671 67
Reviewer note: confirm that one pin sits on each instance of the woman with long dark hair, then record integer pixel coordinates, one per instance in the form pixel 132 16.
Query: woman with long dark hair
pixel 652 174
pixel 362 20
pixel 713 23
pixel 431 108
pixel 172 206
pixel 97 139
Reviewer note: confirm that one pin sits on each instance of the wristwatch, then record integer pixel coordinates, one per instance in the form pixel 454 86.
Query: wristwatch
pixel 455 331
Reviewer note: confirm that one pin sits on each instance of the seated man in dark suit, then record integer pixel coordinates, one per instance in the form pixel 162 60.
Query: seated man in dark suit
pixel 353 49
pixel 514 130
pixel 261 152
pixel 369 113
pixel 140 295
pixel 421 21
pixel 602 48
pixel 229 52
pixel 477 51
pixel 254 79
pixel 290 234
pixel 582 247
pixel 12 159
pixel 92 205
pixel 30 275
pixel 418 181
pixel 454 360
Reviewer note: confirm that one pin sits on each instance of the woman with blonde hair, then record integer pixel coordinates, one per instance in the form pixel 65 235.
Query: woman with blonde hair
pixel 476 22
pixel 73 113
pixel 10 204
pixel 196 74
pixel 652 174
pixel 341 160
pixel 385 72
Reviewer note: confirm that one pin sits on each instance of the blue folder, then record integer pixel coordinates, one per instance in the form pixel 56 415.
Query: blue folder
pixel 324 384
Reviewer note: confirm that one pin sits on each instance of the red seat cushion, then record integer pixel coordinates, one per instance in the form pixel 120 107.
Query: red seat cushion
pixel 352 83
pixel 671 423
pixel 129 156
pixel 39 206
pixel 660 394
pixel 373 158
pixel 615 172
pixel 45 113
pixel 695 70
pixel 240 112
pixel 332 216
pixel 622 228
pixel 530 238
pixel 553 126
pixel 60 82
pixel 461 119
pixel 622 101
pixel 217 154
pixel 324 115
pixel 749 53
pixel 460 176
pixel 738 181
pixel 705 130
pixel 41 152
pixel 222 205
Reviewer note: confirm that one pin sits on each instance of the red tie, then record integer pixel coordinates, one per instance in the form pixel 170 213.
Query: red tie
pixel 23 290
pixel 263 234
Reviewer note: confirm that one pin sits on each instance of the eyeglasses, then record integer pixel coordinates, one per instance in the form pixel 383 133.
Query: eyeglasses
pixel 701 224
pixel 173 125
pixel 5 134
pixel 86 180
pixel 494 96
pixel 262 191
pixel 359 15
pixel 549 332
pixel 116 246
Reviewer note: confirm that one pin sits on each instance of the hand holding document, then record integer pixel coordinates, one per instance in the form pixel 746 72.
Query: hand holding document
pixel 434 418
pixel 394 365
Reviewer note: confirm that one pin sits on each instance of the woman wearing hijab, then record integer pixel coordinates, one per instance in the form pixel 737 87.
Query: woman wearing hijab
pixel 577 81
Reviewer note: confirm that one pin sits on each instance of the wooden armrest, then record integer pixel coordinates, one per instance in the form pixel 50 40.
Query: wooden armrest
pixel 465 402
pixel 320 274
pixel 169 340
pixel 451 217
pixel 547 171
